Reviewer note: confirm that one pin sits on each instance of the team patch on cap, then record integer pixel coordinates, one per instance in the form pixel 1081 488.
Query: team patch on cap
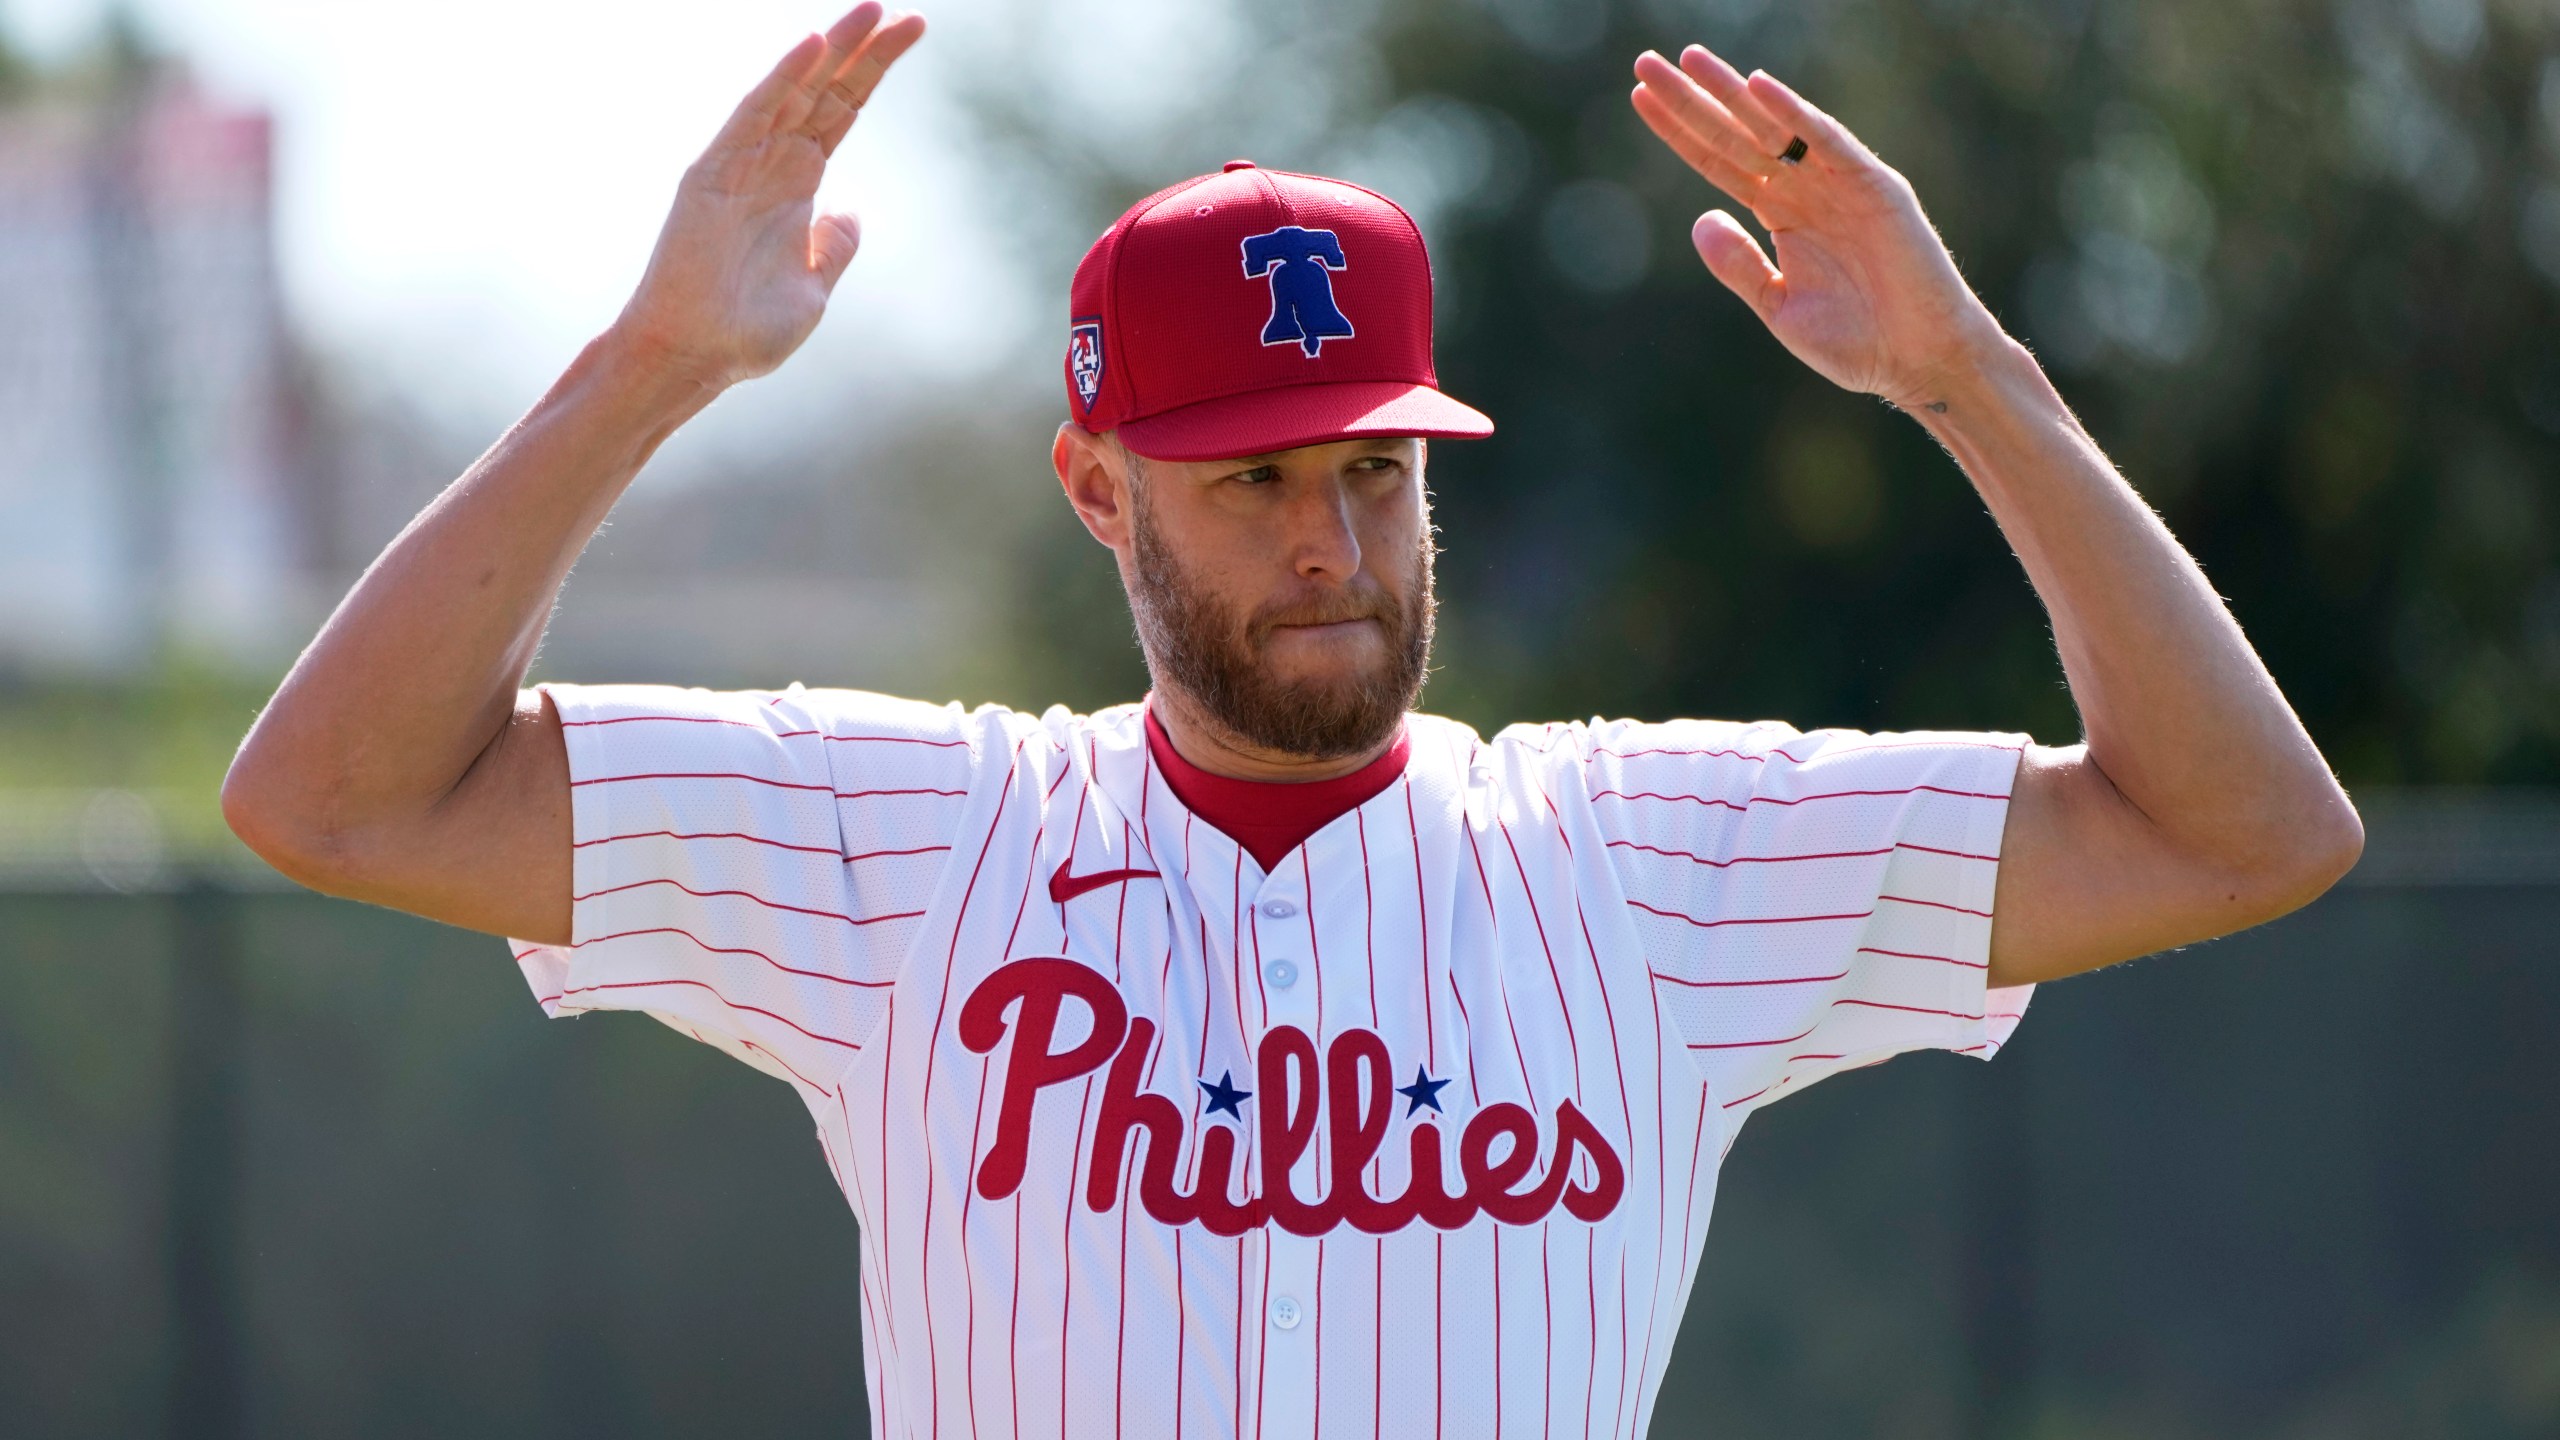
pixel 1299 263
pixel 1084 359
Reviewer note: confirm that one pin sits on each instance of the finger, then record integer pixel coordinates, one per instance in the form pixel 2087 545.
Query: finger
pixel 862 74
pixel 833 239
pixel 1704 115
pixel 845 40
pixel 847 34
pixel 753 119
pixel 1827 141
pixel 843 37
pixel 1726 84
pixel 1737 260
pixel 1708 161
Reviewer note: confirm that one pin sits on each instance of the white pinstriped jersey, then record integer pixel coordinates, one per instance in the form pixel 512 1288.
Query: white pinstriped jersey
pixel 1416 1135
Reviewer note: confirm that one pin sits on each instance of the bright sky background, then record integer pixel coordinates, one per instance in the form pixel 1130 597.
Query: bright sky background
pixel 467 191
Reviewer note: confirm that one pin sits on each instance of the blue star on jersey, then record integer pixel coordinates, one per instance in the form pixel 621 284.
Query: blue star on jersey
pixel 1299 264
pixel 1423 1091
pixel 1223 1095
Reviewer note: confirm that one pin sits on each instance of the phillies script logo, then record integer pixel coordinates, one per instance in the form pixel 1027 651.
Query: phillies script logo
pixel 1350 1087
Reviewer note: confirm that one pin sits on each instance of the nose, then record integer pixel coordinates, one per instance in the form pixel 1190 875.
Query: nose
pixel 1322 536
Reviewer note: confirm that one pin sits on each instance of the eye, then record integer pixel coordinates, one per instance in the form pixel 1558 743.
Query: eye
pixel 1258 475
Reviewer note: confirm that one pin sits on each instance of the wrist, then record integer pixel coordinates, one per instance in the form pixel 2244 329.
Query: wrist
pixel 1986 370
pixel 660 383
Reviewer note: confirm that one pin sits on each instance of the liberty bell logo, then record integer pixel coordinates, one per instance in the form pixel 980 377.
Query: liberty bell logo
pixel 1299 264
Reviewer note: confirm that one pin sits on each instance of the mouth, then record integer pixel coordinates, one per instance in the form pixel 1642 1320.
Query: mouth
pixel 1326 629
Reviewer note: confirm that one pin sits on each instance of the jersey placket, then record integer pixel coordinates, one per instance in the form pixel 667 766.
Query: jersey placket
pixel 1284 953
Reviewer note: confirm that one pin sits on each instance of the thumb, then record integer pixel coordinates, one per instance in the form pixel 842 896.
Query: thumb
pixel 832 241
pixel 1735 258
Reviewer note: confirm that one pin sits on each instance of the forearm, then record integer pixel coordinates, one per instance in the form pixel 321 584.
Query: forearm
pixel 415 674
pixel 2177 710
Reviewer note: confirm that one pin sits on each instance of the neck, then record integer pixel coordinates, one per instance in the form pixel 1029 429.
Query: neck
pixel 1213 748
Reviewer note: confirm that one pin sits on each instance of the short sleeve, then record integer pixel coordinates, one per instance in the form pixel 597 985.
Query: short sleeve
pixel 751 867
pixel 1809 903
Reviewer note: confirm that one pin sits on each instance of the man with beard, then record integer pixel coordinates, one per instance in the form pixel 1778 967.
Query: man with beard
pixel 1105 1020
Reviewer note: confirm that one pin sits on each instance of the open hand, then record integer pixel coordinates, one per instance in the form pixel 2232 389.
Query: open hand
pixel 743 268
pixel 1862 289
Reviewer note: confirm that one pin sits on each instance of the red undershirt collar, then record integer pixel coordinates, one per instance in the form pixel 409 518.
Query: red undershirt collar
pixel 1270 818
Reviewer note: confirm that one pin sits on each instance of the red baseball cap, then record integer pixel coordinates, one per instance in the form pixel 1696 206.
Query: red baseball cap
pixel 1256 310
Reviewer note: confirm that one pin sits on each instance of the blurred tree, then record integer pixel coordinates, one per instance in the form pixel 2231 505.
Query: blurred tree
pixel 2296 262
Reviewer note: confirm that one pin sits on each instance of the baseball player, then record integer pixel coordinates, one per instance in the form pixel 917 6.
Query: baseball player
pixel 1263 1057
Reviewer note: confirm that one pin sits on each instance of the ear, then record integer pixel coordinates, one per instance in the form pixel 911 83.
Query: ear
pixel 1095 482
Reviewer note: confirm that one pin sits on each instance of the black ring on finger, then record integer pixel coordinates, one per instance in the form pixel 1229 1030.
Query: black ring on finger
pixel 1794 151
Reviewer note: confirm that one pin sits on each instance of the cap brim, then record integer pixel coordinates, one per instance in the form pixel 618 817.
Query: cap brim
pixel 1260 422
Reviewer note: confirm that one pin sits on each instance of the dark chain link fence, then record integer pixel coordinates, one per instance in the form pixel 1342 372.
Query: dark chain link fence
pixel 276 1165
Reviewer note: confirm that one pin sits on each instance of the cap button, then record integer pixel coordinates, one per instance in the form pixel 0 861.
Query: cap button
pixel 1234 165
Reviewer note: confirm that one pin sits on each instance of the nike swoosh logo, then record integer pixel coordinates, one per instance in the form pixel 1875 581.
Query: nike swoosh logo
pixel 1064 887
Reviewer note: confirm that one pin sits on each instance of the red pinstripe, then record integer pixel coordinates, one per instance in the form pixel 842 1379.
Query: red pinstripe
pixel 1741 984
pixel 1261 1330
pixel 752 725
pixel 1557 732
pixel 888 1070
pixel 1238 1423
pixel 706 775
pixel 1319 1339
pixel 1422 927
pixel 1502 978
pixel 969 1273
pixel 1661 1214
pixel 1935 905
pixel 1439 1331
pixel 924 1273
pixel 1746 919
pixel 1431 1052
pixel 1914 955
pixel 969 1193
pixel 1798 800
pixel 884 854
pixel 1067 1260
pixel 1529 893
pixel 1908 1009
pixel 1547 1299
pixel 746 895
pixel 796 1075
pixel 1747 1044
pixel 1697 859
pixel 1626 1108
pixel 687 720
pixel 1499 1409
pixel 830 851
pixel 714 994
pixel 710 948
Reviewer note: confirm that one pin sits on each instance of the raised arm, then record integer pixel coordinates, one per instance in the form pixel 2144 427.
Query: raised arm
pixel 398 763
pixel 2196 804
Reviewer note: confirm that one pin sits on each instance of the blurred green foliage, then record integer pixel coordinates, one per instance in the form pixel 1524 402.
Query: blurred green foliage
pixel 2296 263
pixel 172 733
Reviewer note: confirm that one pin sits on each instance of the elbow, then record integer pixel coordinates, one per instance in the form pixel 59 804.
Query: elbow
pixel 260 807
pixel 2305 855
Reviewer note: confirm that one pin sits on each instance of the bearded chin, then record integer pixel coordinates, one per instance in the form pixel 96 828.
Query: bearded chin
pixel 1202 648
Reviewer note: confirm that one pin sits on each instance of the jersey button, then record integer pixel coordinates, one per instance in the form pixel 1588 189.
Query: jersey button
pixel 1284 1313
pixel 1278 909
pixel 1281 973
